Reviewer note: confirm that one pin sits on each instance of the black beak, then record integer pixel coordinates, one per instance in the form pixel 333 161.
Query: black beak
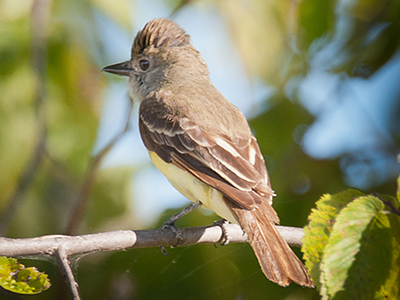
pixel 123 69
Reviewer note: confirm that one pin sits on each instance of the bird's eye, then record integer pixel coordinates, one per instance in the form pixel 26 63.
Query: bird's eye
pixel 144 64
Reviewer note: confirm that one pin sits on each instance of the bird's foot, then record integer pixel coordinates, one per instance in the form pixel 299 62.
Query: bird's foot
pixel 175 230
pixel 224 237
pixel 170 224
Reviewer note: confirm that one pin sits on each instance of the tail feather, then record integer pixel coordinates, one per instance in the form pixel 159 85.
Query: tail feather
pixel 277 260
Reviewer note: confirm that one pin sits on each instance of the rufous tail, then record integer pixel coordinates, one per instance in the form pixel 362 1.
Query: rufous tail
pixel 277 260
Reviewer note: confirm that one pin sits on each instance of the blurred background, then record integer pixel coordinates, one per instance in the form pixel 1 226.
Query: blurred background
pixel 319 82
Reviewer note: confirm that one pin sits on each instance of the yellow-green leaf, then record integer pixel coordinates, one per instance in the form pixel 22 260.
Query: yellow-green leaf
pixel 317 232
pixel 358 258
pixel 16 278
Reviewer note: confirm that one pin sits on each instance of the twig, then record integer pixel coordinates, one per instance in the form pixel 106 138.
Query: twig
pixel 179 6
pixel 389 204
pixel 127 239
pixel 40 19
pixel 62 259
pixel 83 196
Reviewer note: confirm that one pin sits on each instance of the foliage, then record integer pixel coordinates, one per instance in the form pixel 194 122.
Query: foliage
pixel 352 247
pixel 17 278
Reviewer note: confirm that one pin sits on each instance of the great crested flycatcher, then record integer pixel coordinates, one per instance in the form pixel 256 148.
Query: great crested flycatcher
pixel 203 144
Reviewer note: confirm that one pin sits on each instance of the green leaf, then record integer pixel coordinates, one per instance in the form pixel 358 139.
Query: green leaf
pixel 361 253
pixel 391 288
pixel 16 278
pixel 398 189
pixel 321 220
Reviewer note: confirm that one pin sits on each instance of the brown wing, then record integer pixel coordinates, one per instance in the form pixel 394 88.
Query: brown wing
pixel 235 168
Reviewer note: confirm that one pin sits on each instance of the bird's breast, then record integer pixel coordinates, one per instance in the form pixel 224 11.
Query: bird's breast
pixel 194 189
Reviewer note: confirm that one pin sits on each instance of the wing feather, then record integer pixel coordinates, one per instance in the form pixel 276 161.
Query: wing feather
pixel 234 167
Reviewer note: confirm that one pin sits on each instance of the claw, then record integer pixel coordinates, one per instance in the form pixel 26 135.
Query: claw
pixel 170 224
pixel 163 251
pixel 224 237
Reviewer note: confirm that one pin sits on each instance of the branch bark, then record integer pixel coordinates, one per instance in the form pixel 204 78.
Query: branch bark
pixel 62 259
pixel 127 239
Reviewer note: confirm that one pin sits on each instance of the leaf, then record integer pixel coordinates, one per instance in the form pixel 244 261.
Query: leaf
pixel 361 253
pixel 321 220
pixel 16 278
pixel 398 188
pixel 390 289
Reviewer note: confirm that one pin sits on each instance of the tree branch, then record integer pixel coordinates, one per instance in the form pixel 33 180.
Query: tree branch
pixel 62 259
pixel 63 246
pixel 127 239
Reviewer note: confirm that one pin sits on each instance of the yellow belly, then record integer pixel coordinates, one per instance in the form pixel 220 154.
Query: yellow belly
pixel 194 189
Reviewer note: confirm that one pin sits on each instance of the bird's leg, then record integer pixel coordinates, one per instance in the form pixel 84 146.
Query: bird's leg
pixel 170 223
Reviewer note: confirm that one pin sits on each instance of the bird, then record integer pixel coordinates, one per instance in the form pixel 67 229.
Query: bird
pixel 203 144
